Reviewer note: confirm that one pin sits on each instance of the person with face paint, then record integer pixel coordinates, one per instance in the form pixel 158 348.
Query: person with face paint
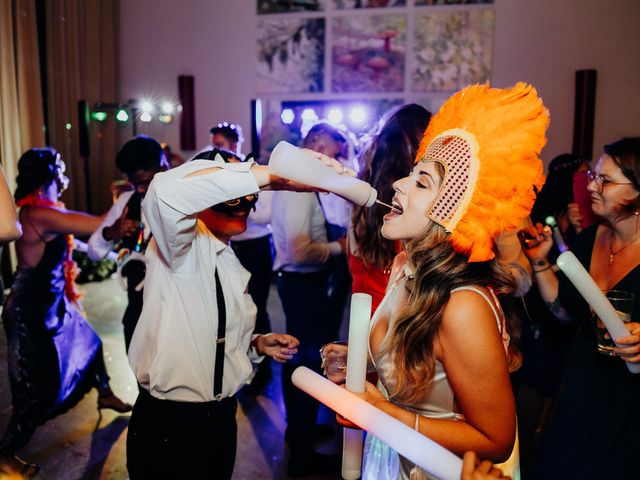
pixel 193 347
pixel 124 226
pixel 439 341
pixel 594 432
pixel 54 355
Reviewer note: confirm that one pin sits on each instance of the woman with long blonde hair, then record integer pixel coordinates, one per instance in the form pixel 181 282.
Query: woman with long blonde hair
pixel 439 341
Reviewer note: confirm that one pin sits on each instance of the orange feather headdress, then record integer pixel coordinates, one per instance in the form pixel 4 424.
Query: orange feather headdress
pixel 488 140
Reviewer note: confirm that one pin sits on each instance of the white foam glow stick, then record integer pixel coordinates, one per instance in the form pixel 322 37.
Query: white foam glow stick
pixel 557 234
pixel 359 318
pixel 576 273
pixel 434 459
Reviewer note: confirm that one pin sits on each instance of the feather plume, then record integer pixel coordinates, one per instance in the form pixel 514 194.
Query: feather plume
pixel 509 128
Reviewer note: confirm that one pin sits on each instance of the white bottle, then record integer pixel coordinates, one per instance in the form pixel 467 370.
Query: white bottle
pixel 293 163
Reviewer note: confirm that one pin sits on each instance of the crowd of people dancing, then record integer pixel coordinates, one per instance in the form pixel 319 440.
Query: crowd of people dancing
pixel 471 318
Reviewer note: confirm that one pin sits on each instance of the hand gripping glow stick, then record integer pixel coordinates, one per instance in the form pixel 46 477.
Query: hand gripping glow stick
pixel 576 273
pixel 557 234
pixel 359 318
pixel 434 459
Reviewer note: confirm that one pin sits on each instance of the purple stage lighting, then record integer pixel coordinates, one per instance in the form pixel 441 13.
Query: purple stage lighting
pixel 358 115
pixel 287 116
pixel 335 116
pixel 309 115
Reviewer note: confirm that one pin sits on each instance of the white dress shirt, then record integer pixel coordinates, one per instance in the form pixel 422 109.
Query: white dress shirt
pixel 98 246
pixel 300 234
pixel 336 209
pixel 173 348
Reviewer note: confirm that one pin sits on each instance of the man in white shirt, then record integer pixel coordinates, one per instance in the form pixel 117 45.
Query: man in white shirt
pixel 193 346
pixel 304 262
pixel 225 136
pixel 125 228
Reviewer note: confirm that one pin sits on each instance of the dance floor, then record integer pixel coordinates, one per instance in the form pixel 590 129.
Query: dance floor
pixel 81 444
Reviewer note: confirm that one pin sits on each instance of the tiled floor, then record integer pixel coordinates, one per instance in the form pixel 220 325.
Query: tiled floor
pixel 83 445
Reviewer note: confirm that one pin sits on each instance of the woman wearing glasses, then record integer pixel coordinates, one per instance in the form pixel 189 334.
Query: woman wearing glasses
pixel 54 355
pixel 594 432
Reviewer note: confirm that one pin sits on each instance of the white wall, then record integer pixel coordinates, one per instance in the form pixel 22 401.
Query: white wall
pixel 213 40
pixel 539 41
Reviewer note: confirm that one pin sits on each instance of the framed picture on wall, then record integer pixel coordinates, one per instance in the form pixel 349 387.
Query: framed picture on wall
pixel 290 55
pixel 451 2
pixel 351 4
pixel 280 6
pixel 452 49
pixel 432 103
pixel 368 53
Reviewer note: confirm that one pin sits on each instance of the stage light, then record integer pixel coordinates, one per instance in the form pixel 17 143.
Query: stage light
pixel 258 113
pixel 167 107
pixel 287 116
pixel 358 115
pixel 99 116
pixel 145 117
pixel 165 118
pixel 122 115
pixel 309 114
pixel 335 116
pixel 146 106
pixel 68 126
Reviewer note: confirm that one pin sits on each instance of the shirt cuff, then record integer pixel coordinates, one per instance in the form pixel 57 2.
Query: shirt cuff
pixel 335 248
pixel 254 356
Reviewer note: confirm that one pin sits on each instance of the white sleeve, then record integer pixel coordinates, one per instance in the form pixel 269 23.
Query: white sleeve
pixel 262 214
pixel 174 199
pixel 98 246
pixel 297 221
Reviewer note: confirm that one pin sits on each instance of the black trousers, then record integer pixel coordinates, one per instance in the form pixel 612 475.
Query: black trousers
pixel 257 257
pixel 176 440
pixel 135 272
pixel 307 311
pixel 339 290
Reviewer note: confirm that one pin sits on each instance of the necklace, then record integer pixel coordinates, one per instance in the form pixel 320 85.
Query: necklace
pixel 612 253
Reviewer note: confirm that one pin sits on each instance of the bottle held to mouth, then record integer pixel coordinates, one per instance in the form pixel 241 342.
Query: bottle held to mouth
pixel 293 163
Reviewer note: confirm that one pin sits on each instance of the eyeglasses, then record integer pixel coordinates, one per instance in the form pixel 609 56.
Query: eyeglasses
pixel 602 182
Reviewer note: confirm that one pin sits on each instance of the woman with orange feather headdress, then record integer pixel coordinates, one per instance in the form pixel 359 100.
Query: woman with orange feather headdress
pixel 440 342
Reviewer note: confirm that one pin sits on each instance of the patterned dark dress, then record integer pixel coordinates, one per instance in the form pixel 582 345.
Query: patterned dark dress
pixel 54 355
pixel 596 430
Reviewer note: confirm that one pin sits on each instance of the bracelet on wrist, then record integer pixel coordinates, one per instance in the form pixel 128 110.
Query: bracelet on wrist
pixel 540 263
pixel 542 269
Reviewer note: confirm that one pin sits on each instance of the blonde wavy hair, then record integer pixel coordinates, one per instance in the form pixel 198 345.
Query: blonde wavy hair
pixel 439 269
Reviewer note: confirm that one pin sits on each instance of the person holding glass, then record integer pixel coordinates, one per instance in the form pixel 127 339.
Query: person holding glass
pixel 594 433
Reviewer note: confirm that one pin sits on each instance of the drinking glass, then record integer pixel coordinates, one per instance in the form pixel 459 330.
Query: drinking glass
pixel 623 304
pixel 334 361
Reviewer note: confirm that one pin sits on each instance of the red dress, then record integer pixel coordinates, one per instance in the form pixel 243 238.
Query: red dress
pixel 371 280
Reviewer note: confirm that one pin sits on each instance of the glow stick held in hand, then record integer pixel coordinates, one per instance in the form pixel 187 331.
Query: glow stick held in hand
pixel 434 459
pixel 557 234
pixel 580 278
pixel 359 318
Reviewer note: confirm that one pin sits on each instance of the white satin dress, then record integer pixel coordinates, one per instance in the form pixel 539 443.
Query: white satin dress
pixel 380 461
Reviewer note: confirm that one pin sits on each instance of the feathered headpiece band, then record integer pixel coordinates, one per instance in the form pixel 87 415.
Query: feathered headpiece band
pixel 488 140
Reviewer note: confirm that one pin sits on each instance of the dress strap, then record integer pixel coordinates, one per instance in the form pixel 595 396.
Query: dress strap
pixel 28 218
pixel 494 303
pixel 489 300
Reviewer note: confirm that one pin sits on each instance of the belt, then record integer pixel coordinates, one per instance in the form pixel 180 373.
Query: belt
pixel 196 408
